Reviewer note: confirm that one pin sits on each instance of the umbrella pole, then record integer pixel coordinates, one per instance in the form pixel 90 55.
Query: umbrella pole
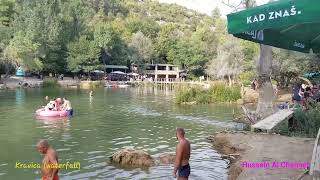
pixel 265 89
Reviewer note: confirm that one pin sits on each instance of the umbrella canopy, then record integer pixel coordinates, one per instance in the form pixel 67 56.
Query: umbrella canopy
pixel 133 74
pixel 287 24
pixel 98 71
pixel 118 72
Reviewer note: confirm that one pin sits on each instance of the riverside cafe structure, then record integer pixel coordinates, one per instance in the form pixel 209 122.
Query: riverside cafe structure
pixel 287 24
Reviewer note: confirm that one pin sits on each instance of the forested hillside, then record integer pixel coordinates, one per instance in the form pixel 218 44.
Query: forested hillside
pixel 80 35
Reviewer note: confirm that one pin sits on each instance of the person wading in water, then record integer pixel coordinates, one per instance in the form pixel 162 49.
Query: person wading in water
pixel 183 151
pixel 50 159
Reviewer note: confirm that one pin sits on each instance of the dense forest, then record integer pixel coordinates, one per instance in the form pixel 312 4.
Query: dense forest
pixel 81 35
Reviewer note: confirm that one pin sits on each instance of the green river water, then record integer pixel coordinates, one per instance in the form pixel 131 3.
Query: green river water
pixel 140 118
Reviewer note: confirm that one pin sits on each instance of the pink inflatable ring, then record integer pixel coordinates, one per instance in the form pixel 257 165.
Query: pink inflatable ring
pixel 43 113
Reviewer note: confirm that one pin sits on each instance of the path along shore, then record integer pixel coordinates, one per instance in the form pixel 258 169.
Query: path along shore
pixel 264 148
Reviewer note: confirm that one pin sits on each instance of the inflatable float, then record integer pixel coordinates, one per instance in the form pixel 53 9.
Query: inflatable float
pixel 43 113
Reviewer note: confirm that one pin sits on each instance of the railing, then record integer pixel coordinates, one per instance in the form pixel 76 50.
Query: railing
pixel 169 80
pixel 162 72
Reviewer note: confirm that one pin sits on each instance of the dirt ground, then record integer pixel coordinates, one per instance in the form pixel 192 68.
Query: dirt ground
pixel 253 147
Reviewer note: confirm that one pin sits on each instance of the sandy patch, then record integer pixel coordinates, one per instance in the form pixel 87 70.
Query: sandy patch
pixel 267 148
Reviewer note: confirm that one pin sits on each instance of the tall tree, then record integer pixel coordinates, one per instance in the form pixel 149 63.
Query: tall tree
pixel 83 55
pixel 264 68
pixel 228 63
pixel 142 48
pixel 23 51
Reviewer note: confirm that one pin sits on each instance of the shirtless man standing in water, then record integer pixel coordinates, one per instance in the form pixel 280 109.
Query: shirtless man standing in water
pixel 183 151
pixel 50 158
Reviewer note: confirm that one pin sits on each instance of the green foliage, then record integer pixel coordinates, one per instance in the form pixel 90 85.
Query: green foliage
pixel 222 93
pixel 47 36
pixel 142 49
pixel 6 12
pixel 83 55
pixel 52 83
pixel 308 122
pixel 289 64
pixel 217 93
pixel 23 51
pixel 112 32
pixel 228 62
pixel 247 77
pixel 251 52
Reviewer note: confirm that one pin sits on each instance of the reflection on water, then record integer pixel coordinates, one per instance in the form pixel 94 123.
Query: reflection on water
pixel 140 118
pixel 20 96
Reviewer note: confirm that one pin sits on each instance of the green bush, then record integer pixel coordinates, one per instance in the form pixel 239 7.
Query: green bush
pixel 247 77
pixel 186 94
pixel 50 83
pixel 308 122
pixel 223 93
pixel 216 93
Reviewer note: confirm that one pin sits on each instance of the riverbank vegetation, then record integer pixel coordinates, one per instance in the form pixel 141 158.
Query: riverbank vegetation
pixel 216 93
pixel 50 83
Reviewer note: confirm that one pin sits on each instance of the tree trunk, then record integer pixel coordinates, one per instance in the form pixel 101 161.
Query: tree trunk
pixel 7 69
pixel 229 79
pixel 265 90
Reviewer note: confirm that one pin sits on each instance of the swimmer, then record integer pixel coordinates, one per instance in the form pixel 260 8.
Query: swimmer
pixel 183 151
pixel 50 158
pixel 67 106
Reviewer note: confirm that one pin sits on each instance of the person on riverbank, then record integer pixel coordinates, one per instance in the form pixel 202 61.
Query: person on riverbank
pixel 295 105
pixel 183 151
pixel 50 160
pixel 67 106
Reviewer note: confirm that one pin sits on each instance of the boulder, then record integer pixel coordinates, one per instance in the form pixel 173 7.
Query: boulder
pixel 249 95
pixel 132 158
pixel 167 158
pixel 240 101
pixel 189 103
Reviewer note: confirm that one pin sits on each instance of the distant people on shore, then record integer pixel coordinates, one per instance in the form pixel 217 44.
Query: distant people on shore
pixel 254 84
pixel 61 77
pixel 49 161
pixel 183 151
pixel 302 97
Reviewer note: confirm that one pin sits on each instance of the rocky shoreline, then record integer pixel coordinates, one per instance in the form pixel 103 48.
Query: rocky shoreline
pixel 15 82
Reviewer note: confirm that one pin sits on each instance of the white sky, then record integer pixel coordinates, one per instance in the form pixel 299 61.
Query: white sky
pixel 206 6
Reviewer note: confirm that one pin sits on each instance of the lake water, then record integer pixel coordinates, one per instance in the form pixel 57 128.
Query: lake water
pixel 140 118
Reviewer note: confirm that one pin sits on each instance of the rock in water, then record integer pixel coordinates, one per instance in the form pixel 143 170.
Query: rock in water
pixel 133 158
pixel 167 158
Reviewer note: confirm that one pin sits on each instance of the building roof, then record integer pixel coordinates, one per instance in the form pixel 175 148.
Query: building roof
pixel 115 67
pixel 160 65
